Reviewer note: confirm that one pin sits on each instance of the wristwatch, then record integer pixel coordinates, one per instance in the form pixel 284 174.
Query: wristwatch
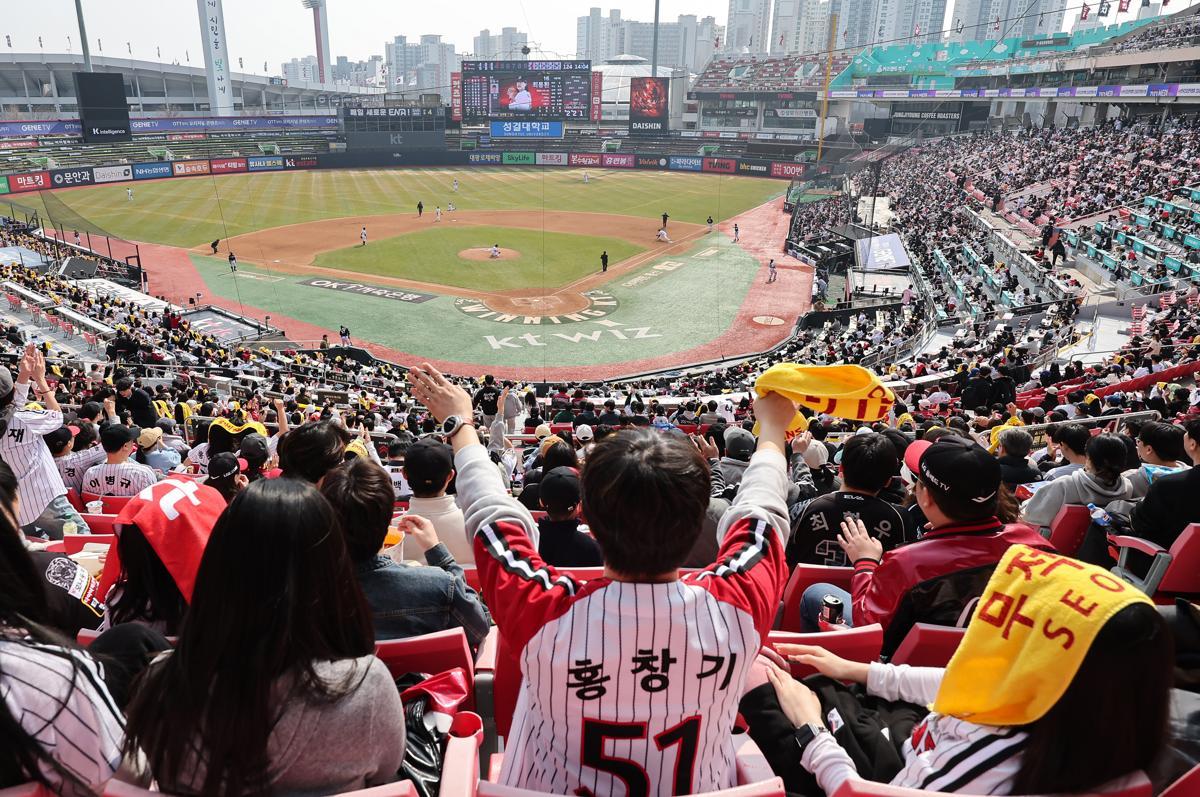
pixel 452 425
pixel 806 734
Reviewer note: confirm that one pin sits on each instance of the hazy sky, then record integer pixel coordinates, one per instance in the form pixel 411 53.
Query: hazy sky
pixel 279 30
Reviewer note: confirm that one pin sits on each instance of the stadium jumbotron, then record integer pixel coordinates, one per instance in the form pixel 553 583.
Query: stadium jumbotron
pixel 531 422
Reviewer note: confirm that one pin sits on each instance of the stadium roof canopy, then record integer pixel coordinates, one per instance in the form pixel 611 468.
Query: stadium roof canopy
pixel 40 84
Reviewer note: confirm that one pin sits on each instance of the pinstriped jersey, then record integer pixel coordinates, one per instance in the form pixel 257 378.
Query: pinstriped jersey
pixel 118 478
pixel 23 450
pixel 628 688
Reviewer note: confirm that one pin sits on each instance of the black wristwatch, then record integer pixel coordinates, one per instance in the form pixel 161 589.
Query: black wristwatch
pixel 806 734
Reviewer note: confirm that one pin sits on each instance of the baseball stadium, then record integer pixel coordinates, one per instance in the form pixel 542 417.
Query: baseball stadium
pixel 425 286
pixel 792 400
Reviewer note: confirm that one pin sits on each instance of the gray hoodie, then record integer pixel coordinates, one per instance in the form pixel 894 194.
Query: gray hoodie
pixel 1080 487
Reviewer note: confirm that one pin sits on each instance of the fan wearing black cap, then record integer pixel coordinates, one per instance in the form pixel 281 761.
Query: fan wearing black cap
pixel 562 544
pixel 429 469
pixel 934 579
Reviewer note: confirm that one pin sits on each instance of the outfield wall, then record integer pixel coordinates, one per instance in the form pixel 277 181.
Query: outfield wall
pixel 50 179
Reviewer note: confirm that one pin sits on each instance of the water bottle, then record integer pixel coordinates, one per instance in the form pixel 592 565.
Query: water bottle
pixel 1100 515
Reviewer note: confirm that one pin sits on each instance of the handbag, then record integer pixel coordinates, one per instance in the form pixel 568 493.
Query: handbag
pixel 430 704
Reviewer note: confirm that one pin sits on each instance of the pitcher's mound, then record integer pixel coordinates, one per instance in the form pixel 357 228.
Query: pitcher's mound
pixel 485 253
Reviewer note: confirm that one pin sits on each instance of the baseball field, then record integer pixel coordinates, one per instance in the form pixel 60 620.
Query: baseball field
pixel 430 286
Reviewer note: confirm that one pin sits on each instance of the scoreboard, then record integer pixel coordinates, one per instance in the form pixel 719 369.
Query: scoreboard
pixel 536 90
pixel 395 127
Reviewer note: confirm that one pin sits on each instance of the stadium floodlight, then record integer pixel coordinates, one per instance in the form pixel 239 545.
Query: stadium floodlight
pixel 321 27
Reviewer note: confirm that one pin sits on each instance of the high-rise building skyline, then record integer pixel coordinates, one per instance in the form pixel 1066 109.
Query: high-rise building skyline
pixel 301 70
pixel 423 66
pixel 748 26
pixel 688 42
pixel 505 45
pixel 994 19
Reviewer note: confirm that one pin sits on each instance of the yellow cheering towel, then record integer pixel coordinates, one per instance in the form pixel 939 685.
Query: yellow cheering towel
pixel 843 391
pixel 994 435
pixel 1038 616
pixel 233 428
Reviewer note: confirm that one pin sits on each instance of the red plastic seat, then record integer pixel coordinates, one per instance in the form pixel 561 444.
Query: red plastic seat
pixel 1140 787
pixel 1172 572
pixel 1186 786
pixel 1069 528
pixel 113 504
pixel 26 790
pixel 856 644
pixel 101 524
pixel 75 501
pixel 555 428
pixel 928 645
pixel 803 577
pixel 430 653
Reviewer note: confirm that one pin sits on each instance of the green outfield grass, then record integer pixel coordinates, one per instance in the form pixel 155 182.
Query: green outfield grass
pixel 193 211
pixel 548 259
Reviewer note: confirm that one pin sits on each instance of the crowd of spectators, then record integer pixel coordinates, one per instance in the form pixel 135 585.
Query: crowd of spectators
pixel 1176 33
pixel 1068 174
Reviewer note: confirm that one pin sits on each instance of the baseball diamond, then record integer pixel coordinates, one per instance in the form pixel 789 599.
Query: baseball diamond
pixel 424 286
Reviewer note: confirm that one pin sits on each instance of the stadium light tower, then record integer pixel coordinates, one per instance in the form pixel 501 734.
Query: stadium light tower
pixel 87 53
pixel 321 29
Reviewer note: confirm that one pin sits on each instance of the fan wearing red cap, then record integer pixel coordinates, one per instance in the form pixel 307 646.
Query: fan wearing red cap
pixel 161 535
pixel 934 579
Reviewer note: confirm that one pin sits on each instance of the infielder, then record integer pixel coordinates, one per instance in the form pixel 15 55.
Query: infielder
pixel 363 236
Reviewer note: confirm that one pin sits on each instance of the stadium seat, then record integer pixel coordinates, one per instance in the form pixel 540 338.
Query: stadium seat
pixel 803 577
pixel 856 644
pixel 1186 786
pixel 430 653
pixel 1139 787
pixel 555 428
pixel 100 524
pixel 113 504
pixel 1172 572
pixel 26 790
pixel 928 645
pixel 74 500
pixel 401 788
pixel 1069 528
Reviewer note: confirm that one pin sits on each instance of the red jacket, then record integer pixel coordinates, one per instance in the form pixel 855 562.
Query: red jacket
pixel 934 579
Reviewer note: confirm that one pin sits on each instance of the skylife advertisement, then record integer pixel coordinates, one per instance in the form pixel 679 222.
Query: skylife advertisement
pixel 649 109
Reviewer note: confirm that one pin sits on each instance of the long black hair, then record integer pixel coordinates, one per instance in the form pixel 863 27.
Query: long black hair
pixel 275 594
pixel 148 592
pixel 1112 720
pixel 22 619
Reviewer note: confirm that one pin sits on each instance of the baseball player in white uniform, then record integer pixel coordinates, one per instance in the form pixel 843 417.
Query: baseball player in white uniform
pixel 629 686
pixel 363 236
pixel 437 213
pixel 43 508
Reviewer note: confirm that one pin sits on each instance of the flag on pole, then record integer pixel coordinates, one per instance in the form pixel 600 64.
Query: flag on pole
pixel 1104 9
pixel 917 30
pixel 781 40
pixel 996 23
pixel 1123 6
pixel 1086 10
pixel 958 27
